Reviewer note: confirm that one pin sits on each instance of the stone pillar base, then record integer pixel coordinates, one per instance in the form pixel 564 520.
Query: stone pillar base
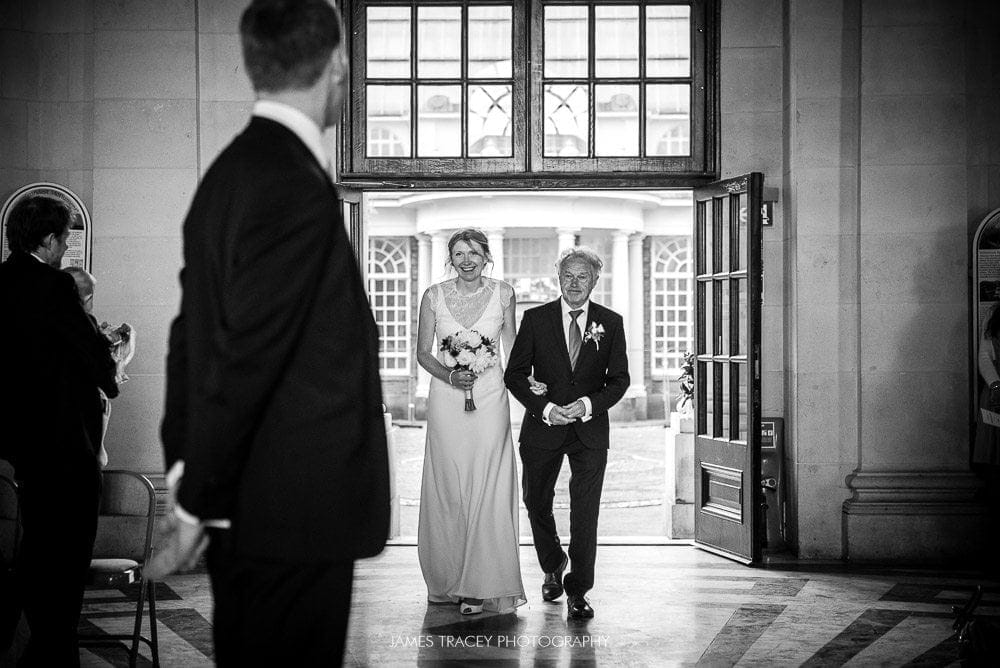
pixel 680 521
pixel 629 409
pixel 679 479
pixel 914 517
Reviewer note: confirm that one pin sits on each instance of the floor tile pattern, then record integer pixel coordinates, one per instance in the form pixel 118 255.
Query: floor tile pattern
pixel 655 605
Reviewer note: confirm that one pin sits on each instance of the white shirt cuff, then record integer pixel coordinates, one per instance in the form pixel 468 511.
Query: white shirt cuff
pixel 589 408
pixel 188 518
pixel 545 412
pixel 175 473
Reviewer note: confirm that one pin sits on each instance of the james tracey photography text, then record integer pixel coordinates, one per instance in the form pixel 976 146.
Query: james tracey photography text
pixel 426 641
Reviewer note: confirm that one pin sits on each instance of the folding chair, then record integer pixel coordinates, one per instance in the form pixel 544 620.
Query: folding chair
pixel 10 540
pixel 123 546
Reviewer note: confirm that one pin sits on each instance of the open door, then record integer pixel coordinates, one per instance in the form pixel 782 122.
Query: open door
pixel 727 235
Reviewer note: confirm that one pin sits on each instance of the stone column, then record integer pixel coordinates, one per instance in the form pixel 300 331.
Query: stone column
pixel 634 333
pixel 620 275
pixel 424 261
pixel 567 238
pixel 495 239
pixel 439 255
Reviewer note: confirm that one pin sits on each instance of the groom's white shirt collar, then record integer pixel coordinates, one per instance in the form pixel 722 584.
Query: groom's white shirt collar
pixel 301 125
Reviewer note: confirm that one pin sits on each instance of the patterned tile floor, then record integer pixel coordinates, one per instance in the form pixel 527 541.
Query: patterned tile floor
pixel 655 605
pixel 632 500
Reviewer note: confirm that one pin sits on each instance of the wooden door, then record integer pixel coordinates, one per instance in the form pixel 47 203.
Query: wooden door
pixel 727 370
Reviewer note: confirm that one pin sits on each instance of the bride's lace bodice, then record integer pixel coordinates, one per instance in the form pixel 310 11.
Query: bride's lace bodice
pixel 481 310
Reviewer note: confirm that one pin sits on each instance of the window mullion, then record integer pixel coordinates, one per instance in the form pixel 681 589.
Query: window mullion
pixel 643 32
pixel 414 109
pixel 591 78
pixel 464 80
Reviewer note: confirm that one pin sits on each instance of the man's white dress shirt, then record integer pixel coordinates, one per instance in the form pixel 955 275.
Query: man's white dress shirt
pixel 581 322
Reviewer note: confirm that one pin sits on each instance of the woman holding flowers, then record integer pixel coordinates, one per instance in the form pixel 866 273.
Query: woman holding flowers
pixel 468 531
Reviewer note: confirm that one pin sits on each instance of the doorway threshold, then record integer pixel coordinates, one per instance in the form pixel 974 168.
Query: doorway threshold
pixel 603 540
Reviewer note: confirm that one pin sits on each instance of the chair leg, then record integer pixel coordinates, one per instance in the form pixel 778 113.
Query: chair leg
pixel 153 643
pixel 133 655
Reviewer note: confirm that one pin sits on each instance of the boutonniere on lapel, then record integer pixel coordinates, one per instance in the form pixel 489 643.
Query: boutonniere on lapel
pixel 594 333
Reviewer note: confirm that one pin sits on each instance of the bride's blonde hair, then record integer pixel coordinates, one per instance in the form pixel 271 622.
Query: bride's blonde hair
pixel 469 235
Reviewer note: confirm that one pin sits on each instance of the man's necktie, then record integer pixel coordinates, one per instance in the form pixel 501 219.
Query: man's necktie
pixel 574 338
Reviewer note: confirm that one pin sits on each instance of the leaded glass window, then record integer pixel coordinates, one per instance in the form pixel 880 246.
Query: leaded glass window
pixel 526 88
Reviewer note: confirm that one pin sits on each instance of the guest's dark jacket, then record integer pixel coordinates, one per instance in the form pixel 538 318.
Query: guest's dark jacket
pixel 601 374
pixel 273 394
pixel 54 360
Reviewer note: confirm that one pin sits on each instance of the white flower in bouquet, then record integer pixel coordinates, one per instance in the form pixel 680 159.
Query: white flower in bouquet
pixel 465 358
pixel 469 350
pixel 485 358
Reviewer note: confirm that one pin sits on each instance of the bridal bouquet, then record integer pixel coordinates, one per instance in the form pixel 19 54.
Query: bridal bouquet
pixel 469 350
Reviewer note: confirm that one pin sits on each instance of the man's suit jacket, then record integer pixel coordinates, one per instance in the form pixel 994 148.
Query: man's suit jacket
pixel 601 373
pixel 54 362
pixel 273 393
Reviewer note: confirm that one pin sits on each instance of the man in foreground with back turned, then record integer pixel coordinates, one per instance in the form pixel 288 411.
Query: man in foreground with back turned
pixel 273 434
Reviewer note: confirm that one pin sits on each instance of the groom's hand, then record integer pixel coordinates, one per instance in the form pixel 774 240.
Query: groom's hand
pixel 181 545
pixel 575 410
pixel 558 416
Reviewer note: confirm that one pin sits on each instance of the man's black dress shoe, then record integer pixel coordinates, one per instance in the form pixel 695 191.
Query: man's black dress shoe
pixel 552 587
pixel 578 608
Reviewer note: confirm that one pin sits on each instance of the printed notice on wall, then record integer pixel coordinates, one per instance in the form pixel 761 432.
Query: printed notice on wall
pixel 987 270
pixel 985 294
pixel 80 232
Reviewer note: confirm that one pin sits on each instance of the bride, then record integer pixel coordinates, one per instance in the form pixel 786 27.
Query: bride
pixel 467 538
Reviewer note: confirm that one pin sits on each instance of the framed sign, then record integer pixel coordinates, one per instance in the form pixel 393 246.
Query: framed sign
pixel 985 293
pixel 80 228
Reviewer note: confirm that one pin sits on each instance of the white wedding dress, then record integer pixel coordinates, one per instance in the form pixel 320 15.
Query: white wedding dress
pixel 468 531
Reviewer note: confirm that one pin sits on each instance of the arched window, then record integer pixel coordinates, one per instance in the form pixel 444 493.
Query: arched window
pixel 389 287
pixel 671 318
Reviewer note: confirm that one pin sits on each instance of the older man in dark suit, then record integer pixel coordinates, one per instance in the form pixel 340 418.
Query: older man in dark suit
pixel 54 362
pixel 577 349
pixel 273 392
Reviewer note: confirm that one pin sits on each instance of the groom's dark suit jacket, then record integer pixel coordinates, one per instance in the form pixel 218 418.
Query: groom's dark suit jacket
pixel 273 393
pixel 54 362
pixel 601 373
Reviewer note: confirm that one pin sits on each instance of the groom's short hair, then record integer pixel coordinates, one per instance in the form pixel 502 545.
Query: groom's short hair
pixel 34 218
pixel 288 43
pixel 583 253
